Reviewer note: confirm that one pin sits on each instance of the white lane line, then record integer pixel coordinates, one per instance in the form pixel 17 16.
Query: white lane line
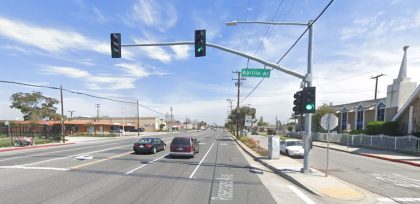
pixel 35 168
pixel 67 150
pixel 201 161
pixel 135 169
pixel 48 160
pixel 301 195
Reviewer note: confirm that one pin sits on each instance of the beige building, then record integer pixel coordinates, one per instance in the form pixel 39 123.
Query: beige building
pixel 150 124
pixel 401 104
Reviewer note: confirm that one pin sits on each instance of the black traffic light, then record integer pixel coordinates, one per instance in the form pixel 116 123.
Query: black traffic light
pixel 308 100
pixel 116 45
pixel 298 103
pixel 200 43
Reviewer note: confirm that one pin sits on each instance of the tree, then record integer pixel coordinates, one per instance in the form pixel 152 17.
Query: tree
pixel 316 118
pixel 34 105
pixel 261 122
pixel 243 111
pixel 161 126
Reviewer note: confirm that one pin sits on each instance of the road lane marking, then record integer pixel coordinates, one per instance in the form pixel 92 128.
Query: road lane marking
pixel 35 168
pixel 398 180
pixel 101 160
pixel 137 168
pixel 201 161
pixel 301 195
pixel 225 187
pixel 67 150
pixel 48 160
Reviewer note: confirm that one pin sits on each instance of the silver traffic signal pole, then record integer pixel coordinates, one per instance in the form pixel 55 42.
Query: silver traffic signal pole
pixel 307 80
pixel 256 59
pixel 308 118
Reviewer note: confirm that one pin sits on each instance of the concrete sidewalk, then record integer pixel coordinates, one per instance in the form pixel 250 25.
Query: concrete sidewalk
pixel 332 188
pixel 375 153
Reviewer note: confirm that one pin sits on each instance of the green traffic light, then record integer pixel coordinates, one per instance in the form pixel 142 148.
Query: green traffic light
pixel 310 106
pixel 199 49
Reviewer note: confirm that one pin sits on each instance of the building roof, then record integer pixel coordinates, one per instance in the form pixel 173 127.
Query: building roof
pixel 365 104
pixel 407 104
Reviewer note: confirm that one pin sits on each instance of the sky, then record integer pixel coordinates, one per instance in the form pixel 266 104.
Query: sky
pixel 67 43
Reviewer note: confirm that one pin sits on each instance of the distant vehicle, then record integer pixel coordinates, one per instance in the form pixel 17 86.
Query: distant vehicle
pixel 150 145
pixel 293 148
pixel 184 146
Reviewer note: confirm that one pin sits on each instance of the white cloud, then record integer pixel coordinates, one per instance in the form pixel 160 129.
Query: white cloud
pixel 181 51
pixel 97 82
pixel 99 15
pixel 161 16
pixel 110 83
pixel 133 69
pixel 154 52
pixel 67 71
pixel 50 40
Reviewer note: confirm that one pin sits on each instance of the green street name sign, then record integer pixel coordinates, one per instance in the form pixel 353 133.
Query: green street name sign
pixel 264 73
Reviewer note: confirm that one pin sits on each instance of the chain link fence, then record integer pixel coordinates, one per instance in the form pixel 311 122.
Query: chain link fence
pixel 403 143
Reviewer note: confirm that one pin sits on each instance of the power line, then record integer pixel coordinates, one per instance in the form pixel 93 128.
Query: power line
pixel 293 45
pixel 81 93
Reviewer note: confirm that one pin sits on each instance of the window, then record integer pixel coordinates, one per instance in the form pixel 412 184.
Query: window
pixel 344 120
pixel 359 122
pixel 380 112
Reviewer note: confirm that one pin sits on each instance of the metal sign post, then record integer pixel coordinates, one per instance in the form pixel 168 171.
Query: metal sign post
pixel 328 122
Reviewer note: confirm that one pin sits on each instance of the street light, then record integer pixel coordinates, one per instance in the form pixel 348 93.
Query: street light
pixel 308 78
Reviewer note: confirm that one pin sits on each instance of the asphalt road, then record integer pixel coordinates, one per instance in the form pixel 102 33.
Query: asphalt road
pixel 219 173
pixel 400 182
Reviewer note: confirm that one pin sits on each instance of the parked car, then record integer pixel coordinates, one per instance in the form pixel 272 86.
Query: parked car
pixel 293 148
pixel 184 146
pixel 151 145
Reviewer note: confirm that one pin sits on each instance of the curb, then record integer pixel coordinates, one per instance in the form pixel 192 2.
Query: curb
pixel 374 156
pixel 278 172
pixel 34 147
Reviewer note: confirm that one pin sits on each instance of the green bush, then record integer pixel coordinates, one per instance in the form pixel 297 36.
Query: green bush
pixel 390 128
pixel 374 127
pixel 417 134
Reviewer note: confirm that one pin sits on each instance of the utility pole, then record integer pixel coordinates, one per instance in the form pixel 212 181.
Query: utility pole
pixel 171 116
pixel 376 83
pixel 62 114
pixel 71 114
pixel 138 118
pixel 238 84
pixel 123 125
pixel 186 123
pixel 97 112
pixel 230 103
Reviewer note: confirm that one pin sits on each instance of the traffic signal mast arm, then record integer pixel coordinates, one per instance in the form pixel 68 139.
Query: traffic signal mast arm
pixel 264 62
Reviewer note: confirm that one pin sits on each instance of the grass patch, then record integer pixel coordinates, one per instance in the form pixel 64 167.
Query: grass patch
pixel 44 141
pixel 4 142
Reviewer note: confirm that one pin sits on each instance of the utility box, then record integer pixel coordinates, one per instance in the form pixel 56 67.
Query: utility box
pixel 273 147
